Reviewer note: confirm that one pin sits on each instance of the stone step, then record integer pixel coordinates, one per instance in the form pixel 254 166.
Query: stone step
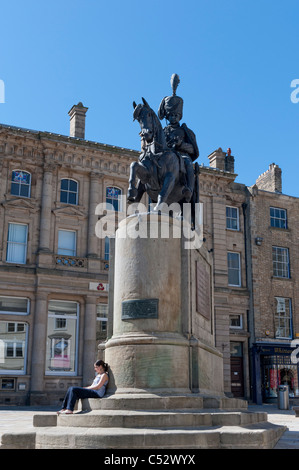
pixel 155 402
pixel 151 422
pixel 254 436
pixel 149 419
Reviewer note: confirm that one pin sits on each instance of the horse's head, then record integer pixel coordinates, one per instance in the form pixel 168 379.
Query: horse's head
pixel 150 125
pixel 144 115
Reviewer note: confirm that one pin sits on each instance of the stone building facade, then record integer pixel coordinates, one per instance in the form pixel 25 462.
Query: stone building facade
pixel 54 269
pixel 253 232
pixel 224 233
pixel 275 294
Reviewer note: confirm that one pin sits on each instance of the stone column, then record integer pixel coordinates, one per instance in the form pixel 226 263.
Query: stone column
pixel 45 216
pixel 39 343
pixel 94 200
pixel 89 340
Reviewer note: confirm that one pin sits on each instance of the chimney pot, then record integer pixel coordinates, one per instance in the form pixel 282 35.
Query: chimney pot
pixel 77 120
pixel 222 161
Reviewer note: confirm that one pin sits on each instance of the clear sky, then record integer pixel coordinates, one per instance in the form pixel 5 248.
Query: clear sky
pixel 236 60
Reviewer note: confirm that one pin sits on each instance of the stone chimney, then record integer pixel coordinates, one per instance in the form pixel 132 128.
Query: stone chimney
pixel 270 180
pixel 222 161
pixel 77 120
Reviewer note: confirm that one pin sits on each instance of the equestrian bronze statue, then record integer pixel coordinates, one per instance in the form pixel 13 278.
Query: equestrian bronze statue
pixel 165 170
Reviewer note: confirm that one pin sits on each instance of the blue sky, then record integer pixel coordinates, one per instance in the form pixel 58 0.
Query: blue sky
pixel 236 61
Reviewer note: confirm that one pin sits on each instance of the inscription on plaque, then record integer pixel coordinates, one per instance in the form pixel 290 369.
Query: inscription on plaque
pixel 203 293
pixel 141 308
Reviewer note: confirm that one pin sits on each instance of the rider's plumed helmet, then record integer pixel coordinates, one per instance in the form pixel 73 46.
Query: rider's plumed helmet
pixel 171 104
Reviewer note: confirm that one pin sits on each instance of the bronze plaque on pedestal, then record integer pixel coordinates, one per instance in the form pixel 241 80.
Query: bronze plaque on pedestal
pixel 140 308
pixel 203 289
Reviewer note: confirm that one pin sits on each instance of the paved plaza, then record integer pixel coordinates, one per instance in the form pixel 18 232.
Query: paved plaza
pixel 290 438
pixel 20 419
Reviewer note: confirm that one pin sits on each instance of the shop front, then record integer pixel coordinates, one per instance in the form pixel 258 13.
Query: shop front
pixel 273 366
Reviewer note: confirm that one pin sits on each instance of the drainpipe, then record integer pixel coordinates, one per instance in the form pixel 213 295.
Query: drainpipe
pixel 253 372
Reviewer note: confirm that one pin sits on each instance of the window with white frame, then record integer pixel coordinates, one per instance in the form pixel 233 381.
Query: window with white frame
pixel 69 191
pixel 13 347
pixel 236 321
pixel 232 218
pixel 278 217
pixel 15 327
pixel 234 272
pixel 62 342
pixel 102 319
pixel 14 305
pixel 113 197
pixel 281 264
pixel 283 317
pixel 16 243
pixel 60 324
pixel 67 242
pixel 20 183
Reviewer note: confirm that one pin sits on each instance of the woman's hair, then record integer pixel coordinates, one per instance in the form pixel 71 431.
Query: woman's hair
pixel 103 364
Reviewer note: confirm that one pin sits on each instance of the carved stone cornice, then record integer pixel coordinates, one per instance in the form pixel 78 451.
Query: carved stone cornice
pixel 70 211
pixel 21 204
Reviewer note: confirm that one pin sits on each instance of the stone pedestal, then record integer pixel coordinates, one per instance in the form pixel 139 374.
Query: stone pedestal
pixel 147 351
pixel 160 342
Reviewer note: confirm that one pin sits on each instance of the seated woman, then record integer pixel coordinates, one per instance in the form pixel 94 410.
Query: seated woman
pixel 96 390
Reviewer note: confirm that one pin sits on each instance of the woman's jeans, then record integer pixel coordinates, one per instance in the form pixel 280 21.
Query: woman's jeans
pixel 75 393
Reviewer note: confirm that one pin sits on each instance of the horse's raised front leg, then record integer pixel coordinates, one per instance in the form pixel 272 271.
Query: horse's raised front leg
pixel 136 171
pixel 132 191
pixel 168 185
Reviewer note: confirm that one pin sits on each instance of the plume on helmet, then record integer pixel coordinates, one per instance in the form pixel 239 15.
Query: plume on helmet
pixel 174 81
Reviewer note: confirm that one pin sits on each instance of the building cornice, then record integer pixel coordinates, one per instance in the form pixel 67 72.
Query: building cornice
pixel 271 194
pixel 59 138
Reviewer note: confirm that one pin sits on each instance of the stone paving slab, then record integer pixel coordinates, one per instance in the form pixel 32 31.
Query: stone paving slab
pixel 14 418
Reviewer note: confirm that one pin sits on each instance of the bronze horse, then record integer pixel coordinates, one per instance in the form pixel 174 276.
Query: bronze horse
pixel 158 169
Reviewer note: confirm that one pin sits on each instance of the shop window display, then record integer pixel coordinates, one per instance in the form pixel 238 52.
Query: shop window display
pixel 278 370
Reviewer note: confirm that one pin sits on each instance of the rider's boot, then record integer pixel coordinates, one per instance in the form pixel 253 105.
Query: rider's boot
pixel 189 186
